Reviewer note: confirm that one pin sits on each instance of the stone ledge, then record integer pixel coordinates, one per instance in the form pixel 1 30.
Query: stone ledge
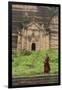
pixel 33 80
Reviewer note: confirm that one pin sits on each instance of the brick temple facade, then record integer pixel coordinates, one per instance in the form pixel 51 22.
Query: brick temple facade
pixel 33 38
pixel 34 35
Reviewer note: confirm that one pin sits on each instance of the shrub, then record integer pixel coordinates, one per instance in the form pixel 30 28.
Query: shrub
pixel 25 52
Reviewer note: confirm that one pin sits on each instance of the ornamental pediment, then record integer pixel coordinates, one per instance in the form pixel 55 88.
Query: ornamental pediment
pixel 35 26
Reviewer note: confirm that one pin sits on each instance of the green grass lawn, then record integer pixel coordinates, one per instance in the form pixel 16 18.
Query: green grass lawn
pixel 33 63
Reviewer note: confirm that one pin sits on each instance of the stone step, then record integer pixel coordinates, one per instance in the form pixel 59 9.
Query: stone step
pixel 33 80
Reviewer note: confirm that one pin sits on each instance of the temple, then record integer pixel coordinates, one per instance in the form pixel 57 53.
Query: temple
pixel 34 28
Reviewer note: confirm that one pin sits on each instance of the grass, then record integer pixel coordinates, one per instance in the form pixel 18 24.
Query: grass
pixel 33 64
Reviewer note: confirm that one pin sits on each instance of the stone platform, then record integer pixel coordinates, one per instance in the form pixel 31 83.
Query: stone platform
pixel 35 80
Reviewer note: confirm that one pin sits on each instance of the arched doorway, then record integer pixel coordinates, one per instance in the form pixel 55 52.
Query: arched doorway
pixel 33 47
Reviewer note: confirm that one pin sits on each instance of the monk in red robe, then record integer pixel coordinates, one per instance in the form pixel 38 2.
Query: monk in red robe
pixel 46 64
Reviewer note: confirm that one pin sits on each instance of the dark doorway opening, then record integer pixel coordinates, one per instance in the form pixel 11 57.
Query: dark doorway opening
pixel 33 46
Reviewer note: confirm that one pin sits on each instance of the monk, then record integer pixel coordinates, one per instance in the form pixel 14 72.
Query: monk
pixel 46 64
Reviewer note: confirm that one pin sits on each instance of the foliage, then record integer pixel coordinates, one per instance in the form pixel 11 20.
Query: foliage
pixel 25 52
pixel 33 63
